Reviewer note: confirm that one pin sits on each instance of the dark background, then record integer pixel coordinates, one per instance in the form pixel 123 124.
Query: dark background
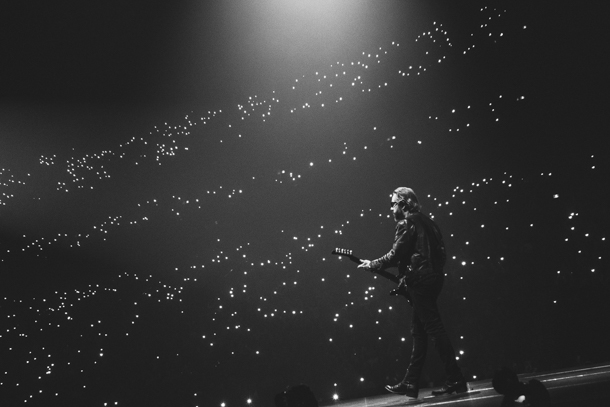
pixel 129 129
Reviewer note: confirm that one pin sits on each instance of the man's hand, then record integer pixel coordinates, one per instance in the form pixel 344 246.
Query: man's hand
pixel 365 264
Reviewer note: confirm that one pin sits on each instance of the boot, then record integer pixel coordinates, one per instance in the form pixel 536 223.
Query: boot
pixel 408 389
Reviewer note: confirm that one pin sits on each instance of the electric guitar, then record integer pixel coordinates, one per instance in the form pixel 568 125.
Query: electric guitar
pixel 402 286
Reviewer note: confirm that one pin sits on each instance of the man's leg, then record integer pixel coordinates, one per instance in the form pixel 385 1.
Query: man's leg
pixel 419 351
pixel 455 383
pixel 442 343
pixel 433 325
pixel 410 384
pixel 426 296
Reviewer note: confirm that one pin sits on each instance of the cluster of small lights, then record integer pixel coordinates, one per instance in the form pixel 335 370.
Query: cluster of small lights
pixel 9 184
pixel 254 106
pixel 479 110
pixel 255 289
pixel 60 314
pixel 487 31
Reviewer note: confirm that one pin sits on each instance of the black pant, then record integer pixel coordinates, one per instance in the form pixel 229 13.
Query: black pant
pixel 427 323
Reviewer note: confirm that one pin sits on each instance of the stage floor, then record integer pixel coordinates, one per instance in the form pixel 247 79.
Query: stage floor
pixel 585 386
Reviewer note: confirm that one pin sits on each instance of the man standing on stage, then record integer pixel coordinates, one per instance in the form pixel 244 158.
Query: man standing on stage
pixel 419 254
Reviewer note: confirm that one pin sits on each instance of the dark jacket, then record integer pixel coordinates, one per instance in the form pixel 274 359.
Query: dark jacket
pixel 418 250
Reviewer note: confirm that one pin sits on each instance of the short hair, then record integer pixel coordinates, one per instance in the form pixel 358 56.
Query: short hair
pixel 410 199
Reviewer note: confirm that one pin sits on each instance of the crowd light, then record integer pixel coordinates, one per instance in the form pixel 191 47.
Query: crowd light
pixel 257 292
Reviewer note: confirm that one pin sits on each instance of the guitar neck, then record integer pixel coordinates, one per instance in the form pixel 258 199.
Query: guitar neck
pixel 401 290
pixel 388 275
pixel 346 253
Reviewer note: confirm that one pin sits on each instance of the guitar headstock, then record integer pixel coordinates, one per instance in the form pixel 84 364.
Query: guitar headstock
pixel 347 253
pixel 342 252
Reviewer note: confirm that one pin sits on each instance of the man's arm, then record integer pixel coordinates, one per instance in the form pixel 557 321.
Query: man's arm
pixel 391 258
pixel 399 248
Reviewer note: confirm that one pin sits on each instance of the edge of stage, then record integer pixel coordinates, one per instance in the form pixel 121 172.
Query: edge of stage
pixel 582 386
